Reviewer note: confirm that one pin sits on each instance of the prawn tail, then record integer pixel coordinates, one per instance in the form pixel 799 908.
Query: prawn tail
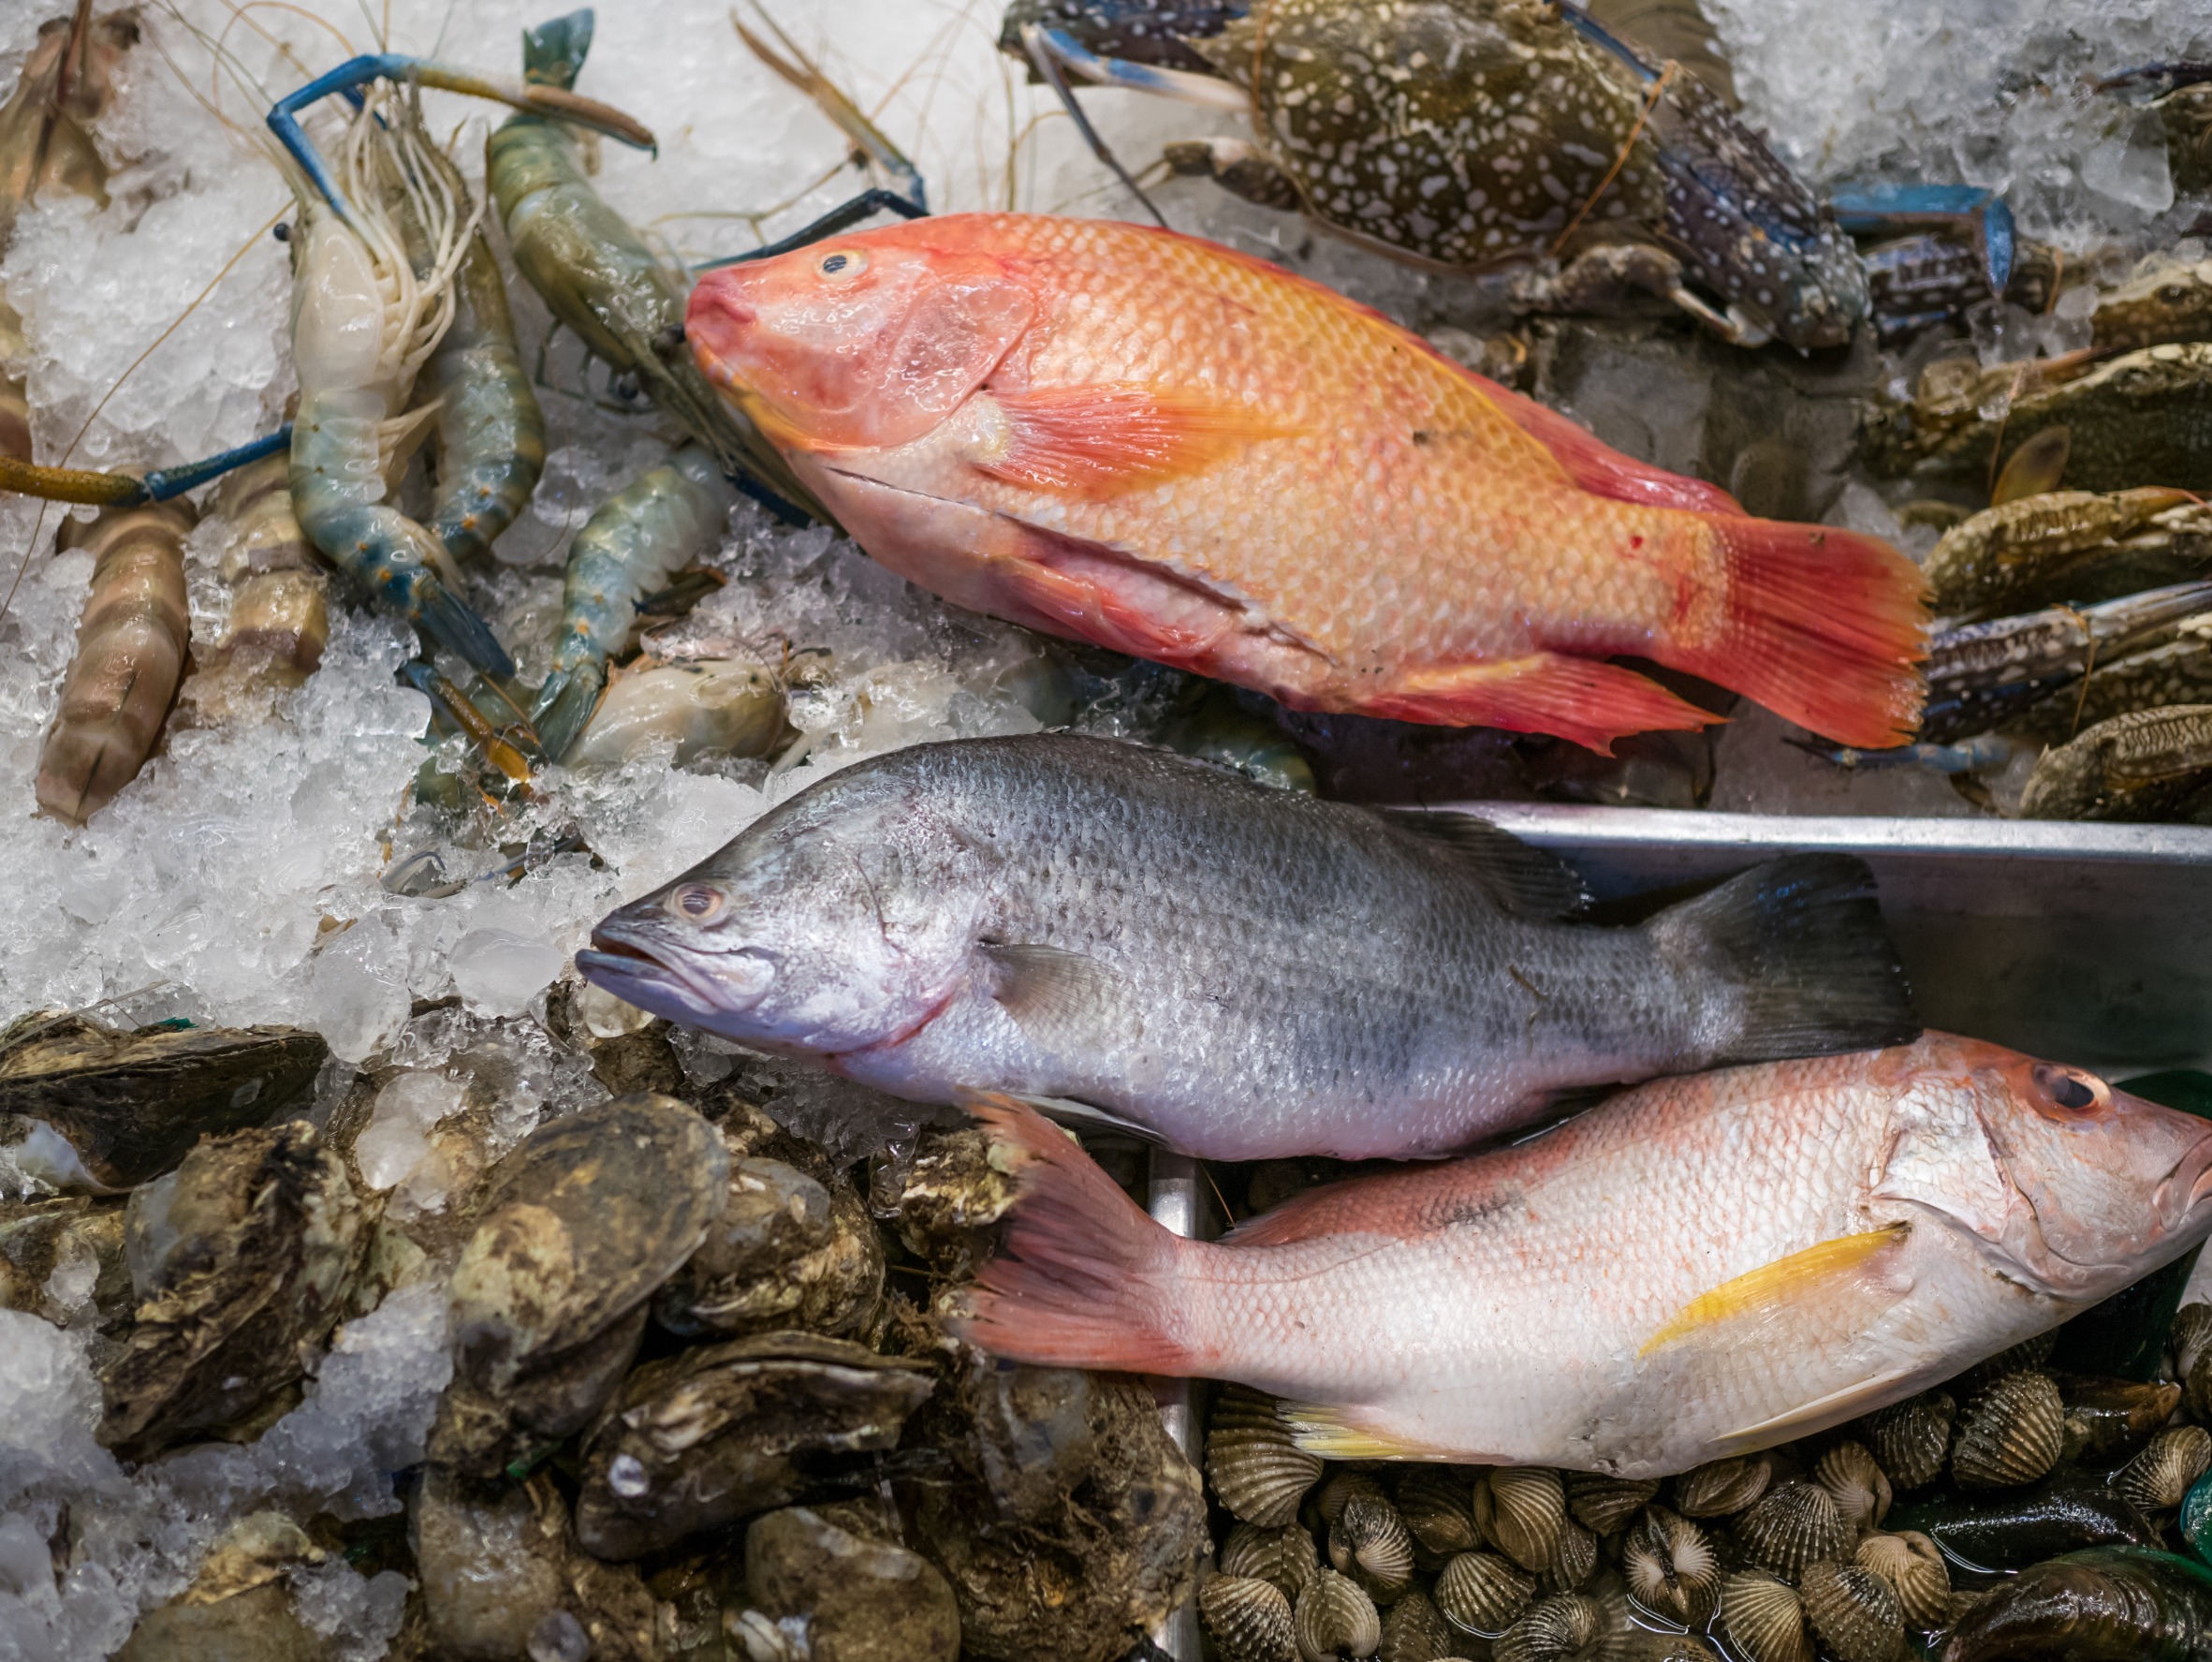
pixel 451 623
pixel 564 705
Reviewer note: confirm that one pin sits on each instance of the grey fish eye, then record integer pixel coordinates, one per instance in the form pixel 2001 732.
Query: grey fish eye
pixel 695 901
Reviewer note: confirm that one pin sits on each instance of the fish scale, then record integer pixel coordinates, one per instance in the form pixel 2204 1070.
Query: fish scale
pixel 1168 447
pixel 1701 1267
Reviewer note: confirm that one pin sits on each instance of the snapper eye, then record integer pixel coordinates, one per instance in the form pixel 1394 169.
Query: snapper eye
pixel 841 265
pixel 2071 1089
pixel 695 902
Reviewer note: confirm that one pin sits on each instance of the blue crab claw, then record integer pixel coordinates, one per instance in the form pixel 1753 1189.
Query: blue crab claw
pixel 1972 756
pixel 127 489
pixel 2146 83
pixel 345 81
pixel 1981 213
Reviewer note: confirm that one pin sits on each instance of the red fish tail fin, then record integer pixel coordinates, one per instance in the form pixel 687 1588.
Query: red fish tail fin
pixel 1825 628
pixel 1085 1278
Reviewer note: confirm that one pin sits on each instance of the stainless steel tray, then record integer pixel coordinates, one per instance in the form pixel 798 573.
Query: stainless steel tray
pixel 2087 942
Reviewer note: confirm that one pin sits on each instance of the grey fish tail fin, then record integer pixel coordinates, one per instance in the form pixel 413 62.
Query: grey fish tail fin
pixel 1802 939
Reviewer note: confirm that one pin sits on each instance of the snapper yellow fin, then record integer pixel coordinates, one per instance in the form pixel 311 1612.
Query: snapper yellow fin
pixel 1822 1412
pixel 1327 1430
pixel 1831 1267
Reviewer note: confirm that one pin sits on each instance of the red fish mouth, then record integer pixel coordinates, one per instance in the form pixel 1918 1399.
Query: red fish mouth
pixel 2188 1187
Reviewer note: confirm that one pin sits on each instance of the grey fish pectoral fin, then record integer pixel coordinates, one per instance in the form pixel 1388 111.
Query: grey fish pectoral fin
pixel 1062 1000
pixel 1520 878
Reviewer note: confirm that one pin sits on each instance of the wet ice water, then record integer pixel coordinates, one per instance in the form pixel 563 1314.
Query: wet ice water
pixel 238 879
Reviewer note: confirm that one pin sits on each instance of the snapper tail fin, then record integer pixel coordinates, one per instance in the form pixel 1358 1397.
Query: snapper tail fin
pixel 1825 628
pixel 1086 1279
pixel 1802 940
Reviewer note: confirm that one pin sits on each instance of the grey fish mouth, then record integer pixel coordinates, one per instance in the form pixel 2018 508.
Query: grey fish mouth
pixel 637 976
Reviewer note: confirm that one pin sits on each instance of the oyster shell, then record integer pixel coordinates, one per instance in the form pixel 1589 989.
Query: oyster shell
pixel 1792 1525
pixel 1249 1619
pixel 947 1197
pixel 1483 1593
pixel 1909 1439
pixel 1554 1629
pixel 1765 1617
pixel 854 1599
pixel 1605 1503
pixel 1522 1510
pixel 1334 1618
pixel 1438 1505
pixel 238 1606
pixel 1065 1518
pixel 1414 1630
pixel 1856 1483
pixel 1720 1487
pixel 1855 1611
pixel 786 1252
pixel 714 1433
pixel 2012 1433
pixel 243 1257
pixel 1369 1542
pixel 132 1104
pixel 61 1259
pixel 583 1220
pixel 1285 1555
pixel 1914 1567
pixel 1260 1473
pixel 2158 1478
pixel 1670 1567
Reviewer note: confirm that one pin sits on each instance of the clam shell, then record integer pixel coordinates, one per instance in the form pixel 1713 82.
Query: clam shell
pixel 1525 1512
pixel 1553 1630
pixel 1438 1505
pixel 1573 1561
pixel 1909 1439
pixel 1369 1542
pixel 1856 1482
pixel 1764 1618
pixel 1912 1565
pixel 2169 1463
pixel 1605 1504
pixel 2189 1338
pixel 1414 1630
pixel 1341 1490
pixel 1260 1474
pixel 1723 1487
pixel 1249 1619
pixel 1334 1618
pixel 1283 1555
pixel 1793 1525
pixel 2012 1433
pixel 1670 1567
pixel 1483 1593
pixel 1855 1611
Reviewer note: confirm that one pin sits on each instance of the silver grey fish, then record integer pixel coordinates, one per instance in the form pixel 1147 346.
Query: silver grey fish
pixel 1239 972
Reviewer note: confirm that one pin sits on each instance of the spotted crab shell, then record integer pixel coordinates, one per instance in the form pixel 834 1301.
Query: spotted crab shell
pixel 1484 1593
pixel 1249 1619
pixel 1856 1612
pixel 1765 1617
pixel 1792 1525
pixel 1260 1473
pixel 1914 1567
pixel 2012 1433
pixel 1909 1439
pixel 1521 1510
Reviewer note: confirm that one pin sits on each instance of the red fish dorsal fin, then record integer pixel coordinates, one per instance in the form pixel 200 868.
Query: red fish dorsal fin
pixel 1094 442
pixel 1597 466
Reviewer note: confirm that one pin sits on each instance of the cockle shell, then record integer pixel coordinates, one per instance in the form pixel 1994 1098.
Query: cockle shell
pixel 1723 1487
pixel 1484 1593
pixel 1342 1488
pixel 2189 1337
pixel 1856 1483
pixel 2012 1433
pixel 1573 1560
pixel 1670 1567
pixel 1521 1512
pixel 2028 1357
pixel 1283 1555
pixel 1555 1629
pixel 1605 1504
pixel 1438 1505
pixel 1856 1612
pixel 1912 1565
pixel 1414 1631
pixel 1334 1618
pixel 1249 1619
pixel 1909 1439
pixel 2161 1475
pixel 1369 1542
pixel 1260 1474
pixel 1764 1618
pixel 1793 1525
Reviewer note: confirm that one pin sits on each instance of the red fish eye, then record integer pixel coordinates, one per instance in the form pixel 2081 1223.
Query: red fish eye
pixel 2070 1088
pixel 697 901
pixel 841 263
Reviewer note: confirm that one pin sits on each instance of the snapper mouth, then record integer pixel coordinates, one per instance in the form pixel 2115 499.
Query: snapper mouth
pixel 2182 1199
